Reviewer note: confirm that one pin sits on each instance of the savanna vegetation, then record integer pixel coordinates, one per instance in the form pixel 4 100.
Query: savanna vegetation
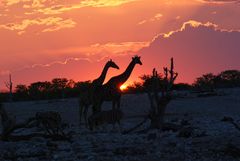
pixel 65 88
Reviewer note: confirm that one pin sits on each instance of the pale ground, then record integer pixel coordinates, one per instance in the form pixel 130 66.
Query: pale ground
pixel 211 139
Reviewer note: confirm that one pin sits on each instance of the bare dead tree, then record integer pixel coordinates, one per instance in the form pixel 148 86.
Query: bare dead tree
pixel 159 102
pixel 9 85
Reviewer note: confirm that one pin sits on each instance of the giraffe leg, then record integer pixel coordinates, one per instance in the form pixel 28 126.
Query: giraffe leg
pixel 97 106
pixel 98 109
pixel 113 104
pixel 113 119
pixel 85 115
pixel 80 113
pixel 118 104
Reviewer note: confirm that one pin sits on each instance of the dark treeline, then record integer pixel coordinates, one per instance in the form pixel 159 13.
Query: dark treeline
pixel 225 79
pixel 55 89
pixel 207 82
pixel 64 88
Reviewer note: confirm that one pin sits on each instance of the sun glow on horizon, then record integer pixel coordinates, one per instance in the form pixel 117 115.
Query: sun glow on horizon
pixel 123 87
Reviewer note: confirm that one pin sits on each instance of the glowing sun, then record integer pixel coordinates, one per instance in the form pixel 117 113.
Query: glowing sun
pixel 123 87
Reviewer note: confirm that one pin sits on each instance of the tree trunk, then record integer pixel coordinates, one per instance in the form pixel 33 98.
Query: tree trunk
pixel 157 120
pixel 157 116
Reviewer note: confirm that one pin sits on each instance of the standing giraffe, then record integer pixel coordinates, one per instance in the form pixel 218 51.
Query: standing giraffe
pixel 85 99
pixel 111 90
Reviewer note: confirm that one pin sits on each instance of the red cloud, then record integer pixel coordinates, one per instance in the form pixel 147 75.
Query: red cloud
pixel 197 48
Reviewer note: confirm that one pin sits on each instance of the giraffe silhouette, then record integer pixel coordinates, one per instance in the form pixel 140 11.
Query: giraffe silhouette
pixel 86 98
pixel 111 90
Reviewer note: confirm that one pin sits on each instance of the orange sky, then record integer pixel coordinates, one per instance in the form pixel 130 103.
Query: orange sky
pixel 44 39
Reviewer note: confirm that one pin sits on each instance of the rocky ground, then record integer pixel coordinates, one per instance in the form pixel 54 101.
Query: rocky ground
pixel 205 136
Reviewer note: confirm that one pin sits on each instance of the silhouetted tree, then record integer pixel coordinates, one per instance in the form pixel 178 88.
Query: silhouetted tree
pixel 182 86
pixel 158 103
pixel 21 92
pixel 148 81
pixel 69 89
pixel 205 82
pixel 9 85
pixel 59 85
pixel 39 90
pixel 230 78
pixel 82 86
pixel 136 87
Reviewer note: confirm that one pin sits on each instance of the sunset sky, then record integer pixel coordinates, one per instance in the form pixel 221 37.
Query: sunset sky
pixel 45 39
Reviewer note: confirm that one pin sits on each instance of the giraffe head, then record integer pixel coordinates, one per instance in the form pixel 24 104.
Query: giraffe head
pixel 136 60
pixel 112 64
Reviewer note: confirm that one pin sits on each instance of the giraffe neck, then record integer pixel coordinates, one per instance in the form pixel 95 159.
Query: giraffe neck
pixel 99 81
pixel 122 78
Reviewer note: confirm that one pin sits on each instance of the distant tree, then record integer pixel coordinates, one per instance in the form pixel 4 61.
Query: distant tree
pixel 230 78
pixel 82 86
pixel 69 89
pixel 70 83
pixel 46 89
pixel 182 86
pixel 9 85
pixel 147 81
pixel 136 87
pixel 59 85
pixel 21 92
pixel 39 90
pixel 205 82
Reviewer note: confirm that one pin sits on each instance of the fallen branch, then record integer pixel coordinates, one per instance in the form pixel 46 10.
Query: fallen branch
pixel 236 125
pixel 49 120
pixel 8 130
pixel 135 127
pixel 231 120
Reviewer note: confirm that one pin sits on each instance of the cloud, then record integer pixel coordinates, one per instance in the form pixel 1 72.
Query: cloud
pixel 156 17
pixel 47 65
pixel 219 1
pixel 197 47
pixel 92 54
pixel 71 68
pixel 192 24
pixel 43 72
pixel 26 3
pixel 96 52
pixel 117 47
pixel 57 7
pixel 35 4
pixel 50 23
pixel 12 2
pixel 59 62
